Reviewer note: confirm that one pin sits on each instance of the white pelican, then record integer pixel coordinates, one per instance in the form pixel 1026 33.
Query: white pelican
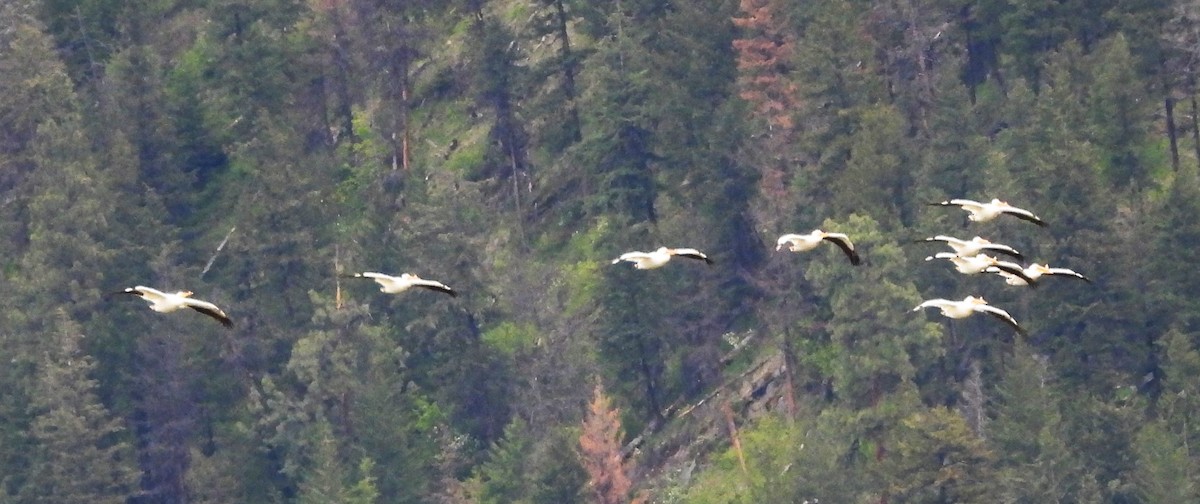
pixel 397 284
pixel 1035 271
pixel 660 257
pixel 806 242
pixel 983 212
pixel 981 263
pixel 974 246
pixel 969 306
pixel 166 302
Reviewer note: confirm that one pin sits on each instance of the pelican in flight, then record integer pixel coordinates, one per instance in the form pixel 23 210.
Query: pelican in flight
pixel 397 284
pixel 660 257
pixel 166 302
pixel 974 246
pixel 983 263
pixel 1035 271
pixel 983 212
pixel 806 242
pixel 969 306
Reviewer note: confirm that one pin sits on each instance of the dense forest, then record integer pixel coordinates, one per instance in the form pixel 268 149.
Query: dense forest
pixel 258 151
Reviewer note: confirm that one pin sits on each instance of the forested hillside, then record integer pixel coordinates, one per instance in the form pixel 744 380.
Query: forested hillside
pixel 257 152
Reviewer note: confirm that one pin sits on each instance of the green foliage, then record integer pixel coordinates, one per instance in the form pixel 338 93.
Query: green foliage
pixel 81 453
pixel 513 148
pixel 511 338
pixel 1165 468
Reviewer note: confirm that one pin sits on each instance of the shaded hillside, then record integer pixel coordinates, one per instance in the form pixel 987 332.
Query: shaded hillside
pixel 257 151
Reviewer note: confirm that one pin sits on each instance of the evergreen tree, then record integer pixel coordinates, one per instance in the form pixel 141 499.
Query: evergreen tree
pixel 80 454
pixel 1034 462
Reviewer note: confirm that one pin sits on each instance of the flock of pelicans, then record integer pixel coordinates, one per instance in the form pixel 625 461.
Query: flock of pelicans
pixel 969 257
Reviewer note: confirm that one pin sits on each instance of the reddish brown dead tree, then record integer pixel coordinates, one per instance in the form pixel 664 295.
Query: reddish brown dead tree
pixel 764 57
pixel 600 451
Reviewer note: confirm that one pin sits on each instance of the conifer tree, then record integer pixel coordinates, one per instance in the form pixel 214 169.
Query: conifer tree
pixel 81 453
pixel 600 451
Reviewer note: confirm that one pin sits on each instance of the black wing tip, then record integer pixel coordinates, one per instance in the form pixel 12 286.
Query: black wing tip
pixel 127 290
pixel 219 316
pixel 708 261
pixel 1031 218
pixel 939 203
pixel 441 288
pixel 1011 323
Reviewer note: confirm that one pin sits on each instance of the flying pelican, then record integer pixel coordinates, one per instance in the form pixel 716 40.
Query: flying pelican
pixel 806 242
pixel 969 306
pixel 983 212
pixel 397 284
pixel 660 257
pixel 981 263
pixel 166 302
pixel 974 246
pixel 1035 271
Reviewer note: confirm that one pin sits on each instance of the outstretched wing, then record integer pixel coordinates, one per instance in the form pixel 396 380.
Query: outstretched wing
pixel 632 257
pixel 130 291
pixel 939 238
pixel 1003 249
pixel 964 203
pixel 1003 316
pixel 436 286
pixel 1067 272
pixel 692 254
pixel 1014 270
pixel 1024 215
pixel 932 303
pixel 211 310
pixel 843 242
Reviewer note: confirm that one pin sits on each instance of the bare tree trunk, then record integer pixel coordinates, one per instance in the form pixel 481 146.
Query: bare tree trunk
pixel 568 67
pixel 1196 128
pixel 1172 134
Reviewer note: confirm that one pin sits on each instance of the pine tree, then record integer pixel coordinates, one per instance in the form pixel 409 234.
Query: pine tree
pixel 81 453
pixel 600 451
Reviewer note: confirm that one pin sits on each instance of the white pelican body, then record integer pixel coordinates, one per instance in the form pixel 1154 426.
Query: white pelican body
pixel 167 302
pixel 806 242
pixel 660 257
pixel 983 212
pixel 1035 271
pixel 973 265
pixel 397 284
pixel 970 305
pixel 974 246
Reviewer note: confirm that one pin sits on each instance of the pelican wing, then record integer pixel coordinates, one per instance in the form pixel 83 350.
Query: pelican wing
pixel 378 277
pixel 144 292
pixel 1068 272
pixel 941 255
pixel 1013 278
pixel 964 203
pixel 1013 269
pixel 843 242
pixel 941 238
pixel 933 303
pixel 632 257
pixel 788 238
pixel 692 254
pixel 1003 316
pixel 209 309
pixel 128 291
pixel 1023 214
pixel 433 285
pixel 1003 249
